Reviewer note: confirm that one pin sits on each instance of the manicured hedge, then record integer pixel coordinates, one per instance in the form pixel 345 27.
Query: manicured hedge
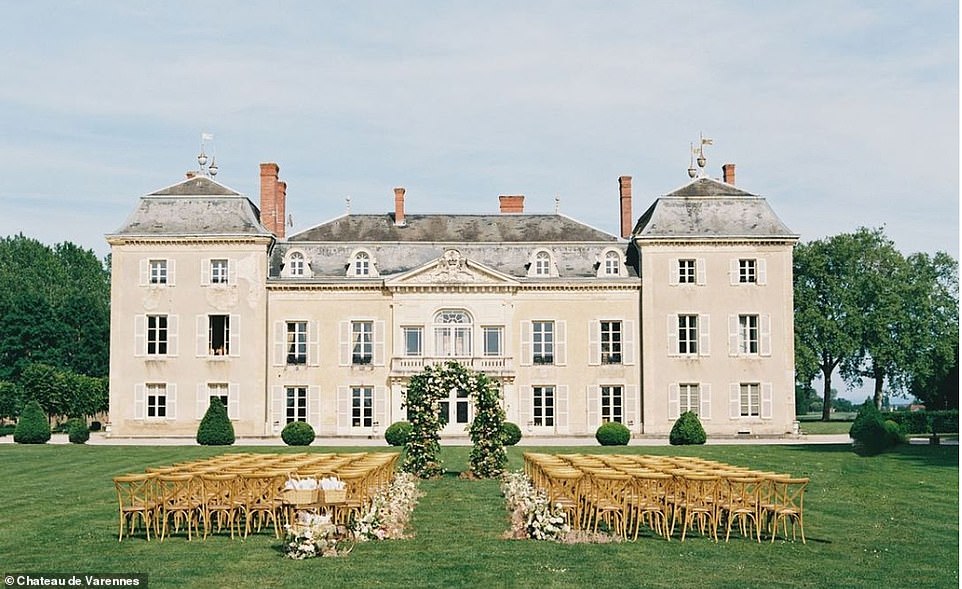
pixel 925 422
pixel 613 434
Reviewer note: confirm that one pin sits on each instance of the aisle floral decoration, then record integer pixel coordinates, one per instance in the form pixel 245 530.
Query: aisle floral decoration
pixel 532 516
pixel 313 535
pixel 390 510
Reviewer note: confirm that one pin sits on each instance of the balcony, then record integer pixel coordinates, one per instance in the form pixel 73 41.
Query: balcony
pixel 490 365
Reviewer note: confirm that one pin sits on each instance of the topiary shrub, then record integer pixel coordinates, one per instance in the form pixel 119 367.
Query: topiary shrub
pixel 77 431
pixel 32 427
pixel 868 430
pixel 397 433
pixel 511 433
pixel 687 430
pixel 215 428
pixel 298 433
pixel 613 434
pixel 895 434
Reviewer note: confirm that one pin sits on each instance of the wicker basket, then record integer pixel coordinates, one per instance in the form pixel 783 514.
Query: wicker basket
pixel 299 496
pixel 330 496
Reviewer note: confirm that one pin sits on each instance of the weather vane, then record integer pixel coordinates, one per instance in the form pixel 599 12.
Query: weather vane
pixel 697 156
pixel 208 167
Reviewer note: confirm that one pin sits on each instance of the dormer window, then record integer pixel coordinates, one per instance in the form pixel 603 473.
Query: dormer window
pixel 362 265
pixel 611 263
pixel 542 264
pixel 296 264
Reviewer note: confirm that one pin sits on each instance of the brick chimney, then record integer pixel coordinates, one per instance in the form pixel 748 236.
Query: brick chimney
pixel 399 207
pixel 273 198
pixel 728 174
pixel 624 192
pixel 512 203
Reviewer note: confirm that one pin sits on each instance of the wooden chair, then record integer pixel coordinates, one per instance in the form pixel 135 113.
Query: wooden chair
pixel 220 497
pixel 605 499
pixel 179 498
pixel 136 499
pixel 740 502
pixel 788 506
pixel 698 502
pixel 564 486
pixel 261 499
pixel 648 500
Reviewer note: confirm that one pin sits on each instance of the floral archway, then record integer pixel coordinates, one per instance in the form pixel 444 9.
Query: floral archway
pixel 423 402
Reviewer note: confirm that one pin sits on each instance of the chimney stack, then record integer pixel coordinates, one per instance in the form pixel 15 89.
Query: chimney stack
pixel 512 203
pixel 728 174
pixel 399 207
pixel 273 198
pixel 624 191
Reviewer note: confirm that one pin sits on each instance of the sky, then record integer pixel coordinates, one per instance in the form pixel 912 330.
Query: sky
pixel 841 113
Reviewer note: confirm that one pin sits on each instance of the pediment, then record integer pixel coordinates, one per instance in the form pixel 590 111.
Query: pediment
pixel 452 269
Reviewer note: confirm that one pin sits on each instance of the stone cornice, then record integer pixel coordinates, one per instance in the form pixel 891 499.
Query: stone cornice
pixel 116 240
pixel 715 241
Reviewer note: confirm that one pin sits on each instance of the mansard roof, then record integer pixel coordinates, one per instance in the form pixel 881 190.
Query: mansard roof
pixel 707 208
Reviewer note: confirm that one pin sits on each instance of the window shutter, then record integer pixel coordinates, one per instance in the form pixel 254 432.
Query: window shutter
pixel 674 403
pixel 733 276
pixel 631 406
pixel 202 400
pixel 173 324
pixel 734 400
pixel 202 347
pixel 701 271
pixel 235 333
pixel 767 400
pixel 205 272
pixel 672 335
pixel 280 343
pixel 344 335
pixel 171 401
pixel 594 406
pixel 380 407
pixel 140 335
pixel 560 345
pixel 314 406
pixel 762 271
pixel 233 401
pixel 526 344
pixel 343 408
pixel 140 401
pixel 144 272
pixel 704 332
pixel 561 408
pixel 171 273
pixel 704 392
pixel 594 342
pixel 673 272
pixel 378 343
pixel 524 405
pixel 313 344
pixel 733 335
pixel 628 342
pixel 278 396
pixel 231 272
pixel 765 335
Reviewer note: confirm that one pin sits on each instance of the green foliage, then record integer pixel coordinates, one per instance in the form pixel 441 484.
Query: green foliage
pixel 945 422
pixel 895 434
pixel 298 433
pixel 868 430
pixel 215 428
pixel 488 456
pixel 32 427
pixel 687 430
pixel 924 422
pixel 9 400
pixel 77 431
pixel 397 433
pixel 512 433
pixel 613 434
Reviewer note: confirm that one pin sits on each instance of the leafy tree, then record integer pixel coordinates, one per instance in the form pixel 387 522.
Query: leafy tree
pixel 47 386
pixel 805 398
pixel 9 400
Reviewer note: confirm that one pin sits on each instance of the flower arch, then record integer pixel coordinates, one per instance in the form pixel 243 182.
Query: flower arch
pixel 422 400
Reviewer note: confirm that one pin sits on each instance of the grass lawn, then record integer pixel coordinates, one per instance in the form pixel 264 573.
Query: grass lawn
pixel 886 521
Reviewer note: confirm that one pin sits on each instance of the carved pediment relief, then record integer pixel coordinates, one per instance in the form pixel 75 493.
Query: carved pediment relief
pixel 452 268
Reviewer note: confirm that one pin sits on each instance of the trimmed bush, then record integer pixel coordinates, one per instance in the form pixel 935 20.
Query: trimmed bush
pixel 687 430
pixel 77 431
pixel 511 433
pixel 868 430
pixel 298 433
pixel 945 422
pixel 397 433
pixel 215 428
pixel 32 427
pixel 613 434
pixel 894 431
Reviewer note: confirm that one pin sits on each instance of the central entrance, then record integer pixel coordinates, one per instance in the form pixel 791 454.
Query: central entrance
pixel 455 413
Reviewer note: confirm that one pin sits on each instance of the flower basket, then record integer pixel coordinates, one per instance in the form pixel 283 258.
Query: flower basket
pixel 330 496
pixel 299 496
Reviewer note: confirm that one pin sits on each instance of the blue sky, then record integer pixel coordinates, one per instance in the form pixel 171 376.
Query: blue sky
pixel 841 113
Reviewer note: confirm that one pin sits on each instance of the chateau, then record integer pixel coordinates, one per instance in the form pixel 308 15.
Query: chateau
pixel 689 308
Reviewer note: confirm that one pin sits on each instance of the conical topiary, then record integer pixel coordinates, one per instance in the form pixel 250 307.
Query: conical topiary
pixel 215 428
pixel 32 427
pixel 687 430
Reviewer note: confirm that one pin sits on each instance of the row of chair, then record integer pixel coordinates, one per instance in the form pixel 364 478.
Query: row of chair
pixel 624 492
pixel 235 489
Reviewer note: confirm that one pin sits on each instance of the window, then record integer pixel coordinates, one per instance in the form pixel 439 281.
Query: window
pixel 218 392
pixel 689 398
pixel 688 334
pixel 296 264
pixel 542 342
pixel 612 264
pixel 686 271
pixel 413 341
pixel 362 264
pixel 362 338
pixel 748 334
pixel 156 401
pixel 157 335
pixel 542 406
pixel 750 399
pixel 218 335
pixel 362 407
pixel 218 272
pixel 296 407
pixel 612 404
pixel 297 342
pixel 542 264
pixel 158 271
pixel 452 333
pixel 747 271
pixel 611 342
pixel 493 336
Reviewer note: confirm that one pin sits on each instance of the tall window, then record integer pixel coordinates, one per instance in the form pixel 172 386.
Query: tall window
pixel 362 264
pixel 218 337
pixel 296 406
pixel 542 264
pixel 542 333
pixel 493 338
pixel 748 334
pixel 747 271
pixel 542 405
pixel 297 342
pixel 158 271
pixel 611 342
pixel 218 272
pixel 750 399
pixel 413 341
pixel 686 271
pixel 452 333
pixel 156 400
pixel 612 404
pixel 689 398
pixel 688 334
pixel 612 264
pixel 218 391
pixel 362 337
pixel 362 407
pixel 156 334
pixel 296 262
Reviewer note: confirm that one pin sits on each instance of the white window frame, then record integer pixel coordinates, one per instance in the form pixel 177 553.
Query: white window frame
pixel 560 348
pixel 346 337
pixel 417 332
pixel 687 271
pixel 703 330
pixel 740 271
pixel 679 391
pixel 361 411
pixel 497 333
pixel 740 333
pixel 220 271
pixel 542 342
pixel 612 411
pixel 745 405
pixel 612 264
pixel 362 342
pixel 157 272
pixel 296 342
pixel 160 335
pixel 229 391
pixel 362 264
pixel 543 406
pixel 453 331
pixel 611 341
pixel 542 264
pixel 295 403
pixel 296 264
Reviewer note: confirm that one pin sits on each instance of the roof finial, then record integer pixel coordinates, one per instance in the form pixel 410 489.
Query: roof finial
pixel 557 204
pixel 348 201
pixel 208 166
pixel 698 156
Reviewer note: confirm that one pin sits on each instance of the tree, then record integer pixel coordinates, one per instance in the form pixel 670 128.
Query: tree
pixel 47 386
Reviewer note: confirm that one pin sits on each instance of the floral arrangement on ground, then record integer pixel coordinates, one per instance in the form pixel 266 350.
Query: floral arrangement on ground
pixel 312 535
